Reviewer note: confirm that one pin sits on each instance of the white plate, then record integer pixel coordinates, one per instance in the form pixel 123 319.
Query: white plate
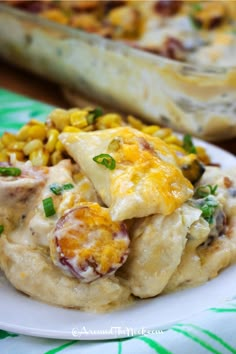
pixel 21 314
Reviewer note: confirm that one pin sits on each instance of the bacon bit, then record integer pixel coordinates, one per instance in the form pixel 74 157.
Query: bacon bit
pixel 228 182
pixel 153 50
pixel 214 164
pixel 145 145
pixel 216 22
pixel 106 31
pixel 167 7
pixel 32 6
pixel 173 49
pixel 111 4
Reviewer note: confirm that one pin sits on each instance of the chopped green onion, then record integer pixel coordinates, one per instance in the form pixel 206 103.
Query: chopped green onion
pixel 105 160
pixel 94 114
pixel 114 144
pixel 204 191
pixel 196 7
pixel 56 188
pixel 208 209
pixel 67 186
pixel 48 207
pixel 188 144
pixel 1 229
pixel 213 189
pixel 10 171
pixel 196 24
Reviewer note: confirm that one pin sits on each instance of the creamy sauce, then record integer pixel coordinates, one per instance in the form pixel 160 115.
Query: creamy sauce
pixel 27 221
pixel 167 252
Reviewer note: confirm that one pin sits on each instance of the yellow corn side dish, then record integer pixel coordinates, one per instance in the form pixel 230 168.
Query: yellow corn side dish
pixel 38 142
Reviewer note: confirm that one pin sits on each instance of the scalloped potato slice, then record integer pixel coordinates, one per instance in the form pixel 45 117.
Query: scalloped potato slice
pixel 146 179
pixel 156 249
pixel 29 269
pixel 203 261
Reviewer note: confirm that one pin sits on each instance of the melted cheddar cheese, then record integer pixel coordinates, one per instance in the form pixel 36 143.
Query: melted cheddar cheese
pixel 146 179
pixel 87 244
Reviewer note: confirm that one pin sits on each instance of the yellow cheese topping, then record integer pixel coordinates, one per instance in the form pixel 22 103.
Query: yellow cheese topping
pixel 147 166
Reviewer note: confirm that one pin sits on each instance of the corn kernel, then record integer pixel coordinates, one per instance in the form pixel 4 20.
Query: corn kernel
pixel 60 118
pixel 16 146
pixel 19 155
pixel 110 120
pixel 78 119
pixel 37 132
pixel 52 140
pixel 8 138
pixel 56 157
pixel 150 129
pixel 202 155
pixel 163 133
pixel 69 129
pixel 36 122
pixel 60 146
pixel 78 177
pixel 172 139
pixel 23 133
pixel 89 128
pixel 177 149
pixel 39 157
pixel 31 146
pixel 135 123
pixel 4 156
pixel 55 15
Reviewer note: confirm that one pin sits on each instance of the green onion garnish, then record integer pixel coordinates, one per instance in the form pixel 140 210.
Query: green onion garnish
pixel 204 191
pixel 188 144
pixel 196 24
pixel 48 207
pixel 208 209
pixel 93 115
pixel 105 160
pixel 67 186
pixel 1 229
pixel 56 188
pixel 196 7
pixel 10 171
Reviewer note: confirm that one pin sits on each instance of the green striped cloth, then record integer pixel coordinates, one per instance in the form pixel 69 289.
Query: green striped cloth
pixel 16 110
pixel 211 331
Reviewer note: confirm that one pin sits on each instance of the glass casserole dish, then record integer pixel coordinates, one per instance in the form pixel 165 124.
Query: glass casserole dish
pixel 187 98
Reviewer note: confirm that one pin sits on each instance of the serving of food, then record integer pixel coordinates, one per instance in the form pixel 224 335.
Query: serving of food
pixel 200 32
pixel 99 213
pixel 184 78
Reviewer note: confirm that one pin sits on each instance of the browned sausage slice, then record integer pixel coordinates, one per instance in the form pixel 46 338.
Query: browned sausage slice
pixel 88 244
